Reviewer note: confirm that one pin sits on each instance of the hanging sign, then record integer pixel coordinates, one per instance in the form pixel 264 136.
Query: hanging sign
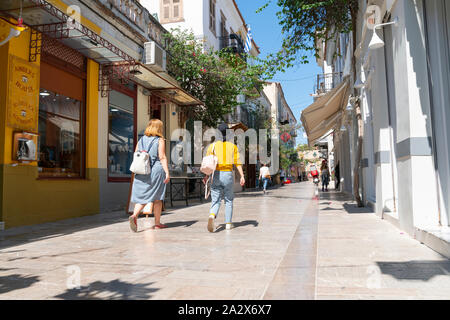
pixel 23 94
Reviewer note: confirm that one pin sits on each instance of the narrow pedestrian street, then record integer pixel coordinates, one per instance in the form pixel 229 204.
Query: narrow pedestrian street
pixel 286 244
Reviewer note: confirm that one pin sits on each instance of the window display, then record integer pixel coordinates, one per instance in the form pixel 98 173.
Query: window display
pixel 121 135
pixel 60 127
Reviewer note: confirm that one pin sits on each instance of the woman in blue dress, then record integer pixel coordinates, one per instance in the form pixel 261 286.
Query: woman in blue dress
pixel 151 188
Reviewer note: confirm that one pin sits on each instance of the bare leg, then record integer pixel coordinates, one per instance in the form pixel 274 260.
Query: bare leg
pixel 151 209
pixel 157 207
pixel 137 209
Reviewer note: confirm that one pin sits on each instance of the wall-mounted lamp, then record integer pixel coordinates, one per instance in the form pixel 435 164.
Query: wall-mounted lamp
pixel 349 108
pixel 358 83
pixel 14 30
pixel 376 41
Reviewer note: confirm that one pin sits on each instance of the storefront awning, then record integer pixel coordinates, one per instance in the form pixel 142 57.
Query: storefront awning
pixel 46 19
pixel 161 84
pixel 323 114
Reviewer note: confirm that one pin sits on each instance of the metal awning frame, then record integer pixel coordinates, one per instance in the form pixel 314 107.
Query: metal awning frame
pixel 122 69
pixel 61 30
pixel 120 64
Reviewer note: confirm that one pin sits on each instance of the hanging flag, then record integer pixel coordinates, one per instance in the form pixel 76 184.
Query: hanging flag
pixel 248 41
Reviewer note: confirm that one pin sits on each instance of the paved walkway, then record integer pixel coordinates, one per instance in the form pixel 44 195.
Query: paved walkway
pixel 361 256
pixel 282 247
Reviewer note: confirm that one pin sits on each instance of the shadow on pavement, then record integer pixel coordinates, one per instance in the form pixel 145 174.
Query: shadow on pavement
pixel 112 290
pixel 354 209
pixel 15 282
pixel 415 270
pixel 244 223
pixel 20 235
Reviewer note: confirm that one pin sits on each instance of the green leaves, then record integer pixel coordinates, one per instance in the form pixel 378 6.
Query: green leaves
pixel 216 78
pixel 303 23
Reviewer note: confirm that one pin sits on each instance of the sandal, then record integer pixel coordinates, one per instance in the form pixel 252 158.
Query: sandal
pixel 133 223
pixel 160 226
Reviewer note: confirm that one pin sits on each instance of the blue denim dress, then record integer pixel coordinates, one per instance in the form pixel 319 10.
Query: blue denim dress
pixel 151 187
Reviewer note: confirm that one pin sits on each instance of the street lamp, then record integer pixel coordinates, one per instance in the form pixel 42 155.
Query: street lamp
pixel 376 42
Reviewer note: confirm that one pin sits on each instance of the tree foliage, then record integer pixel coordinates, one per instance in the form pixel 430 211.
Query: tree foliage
pixel 214 77
pixel 303 23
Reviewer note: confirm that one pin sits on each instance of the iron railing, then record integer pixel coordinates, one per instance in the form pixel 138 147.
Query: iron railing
pixel 233 43
pixel 326 82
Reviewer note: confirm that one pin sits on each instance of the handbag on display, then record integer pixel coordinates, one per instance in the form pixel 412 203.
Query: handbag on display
pixel 208 167
pixel 141 160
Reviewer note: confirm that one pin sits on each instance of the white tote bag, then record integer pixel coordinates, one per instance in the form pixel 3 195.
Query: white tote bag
pixel 208 167
pixel 141 160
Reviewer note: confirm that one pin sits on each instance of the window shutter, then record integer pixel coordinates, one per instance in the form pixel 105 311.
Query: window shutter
pixel 166 10
pixel 212 15
pixel 176 9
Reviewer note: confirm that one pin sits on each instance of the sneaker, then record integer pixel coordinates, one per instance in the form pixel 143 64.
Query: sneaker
pixel 211 223
pixel 228 226
pixel 264 191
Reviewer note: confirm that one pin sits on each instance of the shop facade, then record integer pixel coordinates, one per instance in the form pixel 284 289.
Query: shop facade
pixel 74 100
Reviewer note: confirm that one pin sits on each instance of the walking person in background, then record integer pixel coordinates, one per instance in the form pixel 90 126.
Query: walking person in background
pixel 264 176
pixel 227 154
pixel 337 175
pixel 282 175
pixel 325 176
pixel 151 188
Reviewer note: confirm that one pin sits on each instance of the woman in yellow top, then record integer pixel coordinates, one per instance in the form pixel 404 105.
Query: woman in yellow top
pixel 227 154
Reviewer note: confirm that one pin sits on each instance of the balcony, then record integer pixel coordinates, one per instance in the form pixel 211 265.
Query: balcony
pixel 243 115
pixel 232 43
pixel 136 16
pixel 326 82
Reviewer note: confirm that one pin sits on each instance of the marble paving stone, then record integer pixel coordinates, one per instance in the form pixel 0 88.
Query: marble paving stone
pixel 184 261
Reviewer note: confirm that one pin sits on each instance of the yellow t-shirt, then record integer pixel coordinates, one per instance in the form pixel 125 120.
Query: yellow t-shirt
pixel 227 154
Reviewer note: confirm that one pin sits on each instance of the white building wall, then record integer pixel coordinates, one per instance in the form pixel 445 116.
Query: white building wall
pixel 196 18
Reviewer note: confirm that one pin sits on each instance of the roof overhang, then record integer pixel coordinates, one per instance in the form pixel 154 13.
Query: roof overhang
pixel 238 125
pixel 45 18
pixel 324 113
pixel 161 84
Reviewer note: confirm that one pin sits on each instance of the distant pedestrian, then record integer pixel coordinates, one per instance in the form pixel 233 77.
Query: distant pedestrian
pixel 264 176
pixel 325 176
pixel 227 154
pixel 151 188
pixel 337 175
pixel 282 175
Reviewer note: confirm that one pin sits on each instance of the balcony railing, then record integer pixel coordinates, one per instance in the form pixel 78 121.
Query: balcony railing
pixel 132 11
pixel 232 43
pixel 243 115
pixel 326 82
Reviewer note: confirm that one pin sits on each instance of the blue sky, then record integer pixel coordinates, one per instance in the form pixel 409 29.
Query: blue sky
pixel 298 81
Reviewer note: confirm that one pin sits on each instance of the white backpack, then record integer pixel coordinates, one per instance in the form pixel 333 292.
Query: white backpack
pixel 208 167
pixel 141 160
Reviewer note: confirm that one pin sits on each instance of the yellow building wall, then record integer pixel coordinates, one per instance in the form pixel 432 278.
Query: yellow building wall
pixel 25 199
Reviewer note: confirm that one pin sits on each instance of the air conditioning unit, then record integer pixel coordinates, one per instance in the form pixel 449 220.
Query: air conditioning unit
pixel 154 56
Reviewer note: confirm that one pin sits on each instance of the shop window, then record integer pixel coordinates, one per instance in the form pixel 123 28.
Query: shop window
pixel 61 112
pixel 121 135
pixel 155 107
pixel 60 130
